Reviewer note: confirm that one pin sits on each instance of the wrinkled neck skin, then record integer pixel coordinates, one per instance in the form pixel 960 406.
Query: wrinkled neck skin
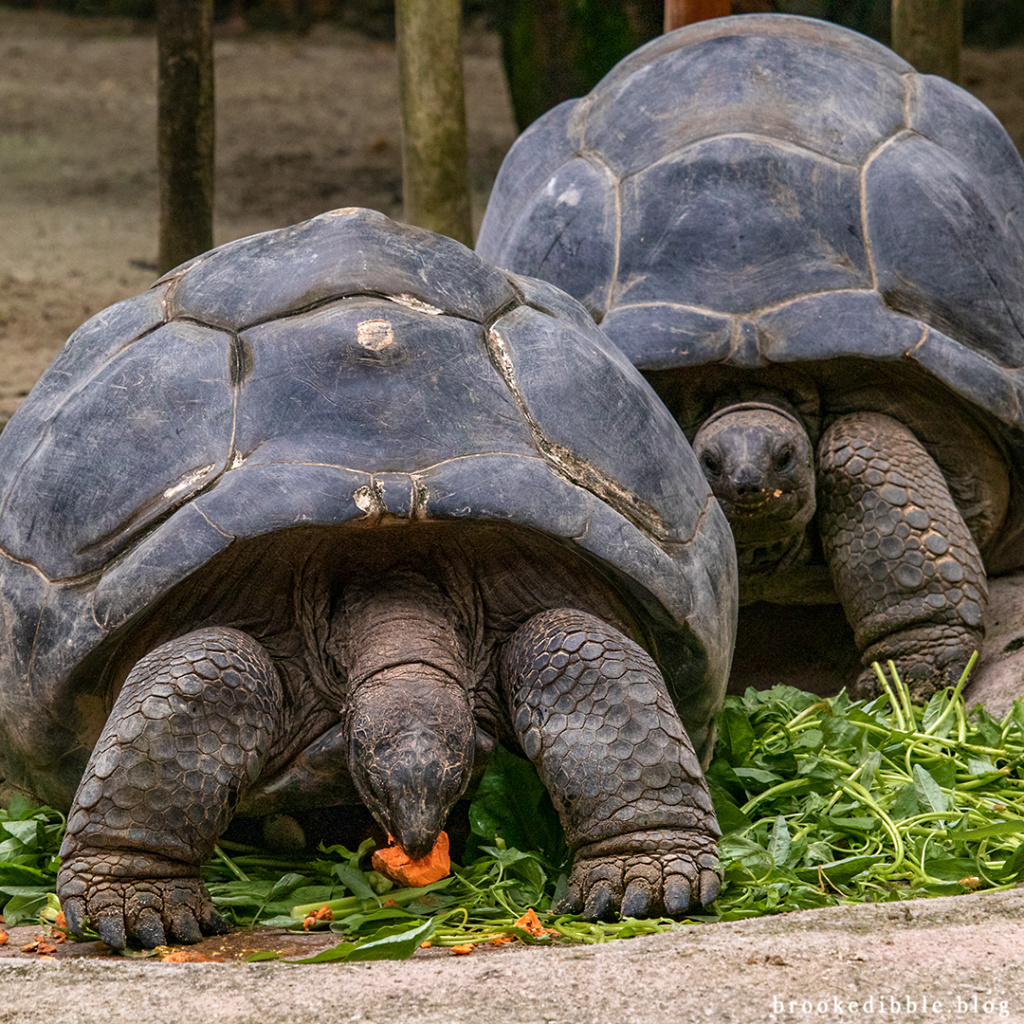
pixel 759 463
pixel 409 716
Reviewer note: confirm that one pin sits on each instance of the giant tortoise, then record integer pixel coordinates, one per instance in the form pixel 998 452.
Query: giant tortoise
pixel 314 520
pixel 815 254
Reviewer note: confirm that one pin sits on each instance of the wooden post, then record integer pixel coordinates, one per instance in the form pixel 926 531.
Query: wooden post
pixel 185 128
pixel 929 35
pixel 686 12
pixel 435 167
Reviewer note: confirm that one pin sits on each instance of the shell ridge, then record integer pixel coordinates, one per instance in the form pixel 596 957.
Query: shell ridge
pixel 630 506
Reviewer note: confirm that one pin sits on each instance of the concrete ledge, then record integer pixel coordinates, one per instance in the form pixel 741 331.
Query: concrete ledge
pixel 949 959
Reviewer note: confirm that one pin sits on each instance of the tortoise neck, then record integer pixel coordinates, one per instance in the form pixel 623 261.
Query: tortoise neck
pixel 410 719
pixel 401 619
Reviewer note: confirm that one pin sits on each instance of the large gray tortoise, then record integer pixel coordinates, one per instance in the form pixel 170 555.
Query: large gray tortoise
pixel 310 523
pixel 815 254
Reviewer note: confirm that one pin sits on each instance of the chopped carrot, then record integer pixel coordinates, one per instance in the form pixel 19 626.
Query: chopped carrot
pixel 60 921
pixel 462 950
pixel 3 938
pixel 323 914
pixel 186 956
pixel 394 863
pixel 530 922
pixel 502 939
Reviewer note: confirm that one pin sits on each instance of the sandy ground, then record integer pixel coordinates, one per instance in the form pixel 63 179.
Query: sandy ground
pixel 303 126
pixel 951 959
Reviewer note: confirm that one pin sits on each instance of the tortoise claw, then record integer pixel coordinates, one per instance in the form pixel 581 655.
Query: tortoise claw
pixel 110 928
pixel 644 874
pixel 638 900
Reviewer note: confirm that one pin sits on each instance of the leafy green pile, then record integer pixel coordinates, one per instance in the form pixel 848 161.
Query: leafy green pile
pixel 825 802
pixel 821 802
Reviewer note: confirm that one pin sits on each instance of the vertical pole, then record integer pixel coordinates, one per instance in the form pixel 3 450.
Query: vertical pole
pixel 686 12
pixel 435 170
pixel 185 128
pixel 929 35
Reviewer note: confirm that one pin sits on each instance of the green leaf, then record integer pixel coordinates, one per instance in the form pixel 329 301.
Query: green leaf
pixel 843 870
pixel 24 905
pixel 355 880
pixel 779 843
pixel 758 775
pixel 735 735
pixel 929 794
pixel 905 805
pixel 730 817
pixel 398 946
pixel 512 803
pixel 934 711
pixel 1011 827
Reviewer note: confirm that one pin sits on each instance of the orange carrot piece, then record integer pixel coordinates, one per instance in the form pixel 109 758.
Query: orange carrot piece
pixel 394 863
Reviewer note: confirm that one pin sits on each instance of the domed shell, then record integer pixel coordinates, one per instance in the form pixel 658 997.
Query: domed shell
pixel 345 369
pixel 771 190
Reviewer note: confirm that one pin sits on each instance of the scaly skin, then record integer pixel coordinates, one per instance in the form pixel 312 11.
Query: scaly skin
pixel 198 718
pixel 591 711
pixel 187 735
pixel 904 564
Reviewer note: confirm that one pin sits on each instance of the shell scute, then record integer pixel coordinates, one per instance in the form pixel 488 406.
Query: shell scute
pixel 744 229
pixel 741 84
pixel 79 498
pixel 338 253
pixel 343 385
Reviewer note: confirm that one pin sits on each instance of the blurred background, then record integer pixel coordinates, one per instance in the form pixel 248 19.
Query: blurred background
pixel 307 119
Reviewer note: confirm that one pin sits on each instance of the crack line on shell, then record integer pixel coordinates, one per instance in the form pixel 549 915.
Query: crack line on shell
pixel 642 515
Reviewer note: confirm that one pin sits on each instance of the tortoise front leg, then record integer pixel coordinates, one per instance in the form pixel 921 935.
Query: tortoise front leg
pixel 186 737
pixel 592 712
pixel 904 564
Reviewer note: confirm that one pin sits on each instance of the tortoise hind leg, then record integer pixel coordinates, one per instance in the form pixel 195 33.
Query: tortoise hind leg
pixel 905 566
pixel 591 711
pixel 187 735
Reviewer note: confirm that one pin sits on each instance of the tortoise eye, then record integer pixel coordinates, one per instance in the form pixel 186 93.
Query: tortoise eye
pixel 710 463
pixel 784 459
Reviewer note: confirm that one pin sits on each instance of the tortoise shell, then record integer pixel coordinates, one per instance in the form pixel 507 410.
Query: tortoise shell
pixel 346 373
pixel 777 199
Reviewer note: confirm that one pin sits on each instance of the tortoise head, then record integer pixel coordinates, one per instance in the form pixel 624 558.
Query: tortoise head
pixel 411 741
pixel 758 459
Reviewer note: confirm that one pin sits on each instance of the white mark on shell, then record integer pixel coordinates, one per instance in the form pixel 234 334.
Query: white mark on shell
pixel 405 299
pixel 370 499
pixel 570 197
pixel 375 335
pixel 189 480
pixel 237 460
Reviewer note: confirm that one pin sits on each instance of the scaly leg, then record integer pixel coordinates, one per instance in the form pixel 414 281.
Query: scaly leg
pixel 904 564
pixel 187 735
pixel 592 712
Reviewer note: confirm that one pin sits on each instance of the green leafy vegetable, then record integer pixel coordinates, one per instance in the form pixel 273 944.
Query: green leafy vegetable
pixel 821 802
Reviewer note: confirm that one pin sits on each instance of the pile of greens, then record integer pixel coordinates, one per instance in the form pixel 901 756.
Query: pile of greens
pixel 821 802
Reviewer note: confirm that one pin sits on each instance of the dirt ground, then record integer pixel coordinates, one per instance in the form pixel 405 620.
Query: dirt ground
pixel 303 125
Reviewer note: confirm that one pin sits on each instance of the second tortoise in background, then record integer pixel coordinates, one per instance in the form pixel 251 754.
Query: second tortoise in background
pixel 815 255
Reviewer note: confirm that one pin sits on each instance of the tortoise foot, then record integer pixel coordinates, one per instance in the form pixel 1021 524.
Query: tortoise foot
pixel 928 659
pixel 134 911
pixel 643 874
